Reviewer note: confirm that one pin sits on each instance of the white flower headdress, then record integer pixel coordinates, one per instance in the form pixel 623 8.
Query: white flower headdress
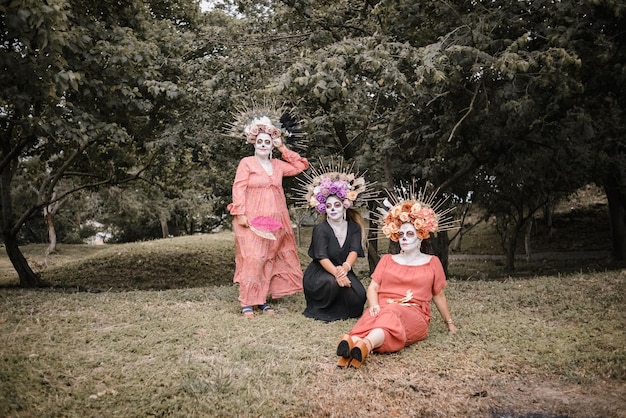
pixel 424 211
pixel 333 179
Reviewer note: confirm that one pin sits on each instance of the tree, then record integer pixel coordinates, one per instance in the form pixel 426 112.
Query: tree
pixel 489 87
pixel 362 92
pixel 598 39
pixel 86 89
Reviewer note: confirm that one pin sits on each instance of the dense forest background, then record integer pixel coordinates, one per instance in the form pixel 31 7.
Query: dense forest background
pixel 114 115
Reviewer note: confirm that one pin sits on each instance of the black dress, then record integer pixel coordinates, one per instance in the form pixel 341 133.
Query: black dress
pixel 325 299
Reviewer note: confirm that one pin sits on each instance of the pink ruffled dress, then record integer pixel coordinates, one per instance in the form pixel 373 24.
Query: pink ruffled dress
pixel 265 267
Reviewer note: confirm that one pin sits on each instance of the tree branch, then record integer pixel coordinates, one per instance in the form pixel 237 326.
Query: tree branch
pixel 14 152
pixel 51 184
pixel 460 174
pixel 436 97
pixel 469 110
pixel 44 202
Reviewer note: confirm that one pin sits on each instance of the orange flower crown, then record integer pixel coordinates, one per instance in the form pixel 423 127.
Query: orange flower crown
pixel 423 218
pixel 425 213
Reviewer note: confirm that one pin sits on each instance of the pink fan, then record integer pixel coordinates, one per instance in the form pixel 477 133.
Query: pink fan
pixel 263 226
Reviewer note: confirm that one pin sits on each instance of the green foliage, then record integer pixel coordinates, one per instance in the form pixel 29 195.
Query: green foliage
pixel 484 97
pixel 516 102
pixel 92 87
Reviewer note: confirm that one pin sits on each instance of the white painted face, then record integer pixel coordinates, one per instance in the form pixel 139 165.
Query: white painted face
pixel 334 208
pixel 263 145
pixel 408 237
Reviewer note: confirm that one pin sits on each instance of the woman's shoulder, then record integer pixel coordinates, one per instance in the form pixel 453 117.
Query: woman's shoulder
pixel 246 160
pixel 433 262
pixel 321 227
pixel 322 224
pixel 434 259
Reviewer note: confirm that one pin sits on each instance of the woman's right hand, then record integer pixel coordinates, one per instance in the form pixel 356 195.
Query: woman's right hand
pixel 342 277
pixel 374 310
pixel 242 220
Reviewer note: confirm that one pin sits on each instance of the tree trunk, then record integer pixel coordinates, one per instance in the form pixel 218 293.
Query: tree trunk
pixel 48 214
pixel 346 145
pixel 527 235
pixel 394 247
pixel 617 215
pixel 372 256
pixel 372 238
pixel 456 241
pixel 441 245
pixel 510 242
pixel 164 228
pixel 510 257
pixel 548 211
pixel 52 234
pixel 28 278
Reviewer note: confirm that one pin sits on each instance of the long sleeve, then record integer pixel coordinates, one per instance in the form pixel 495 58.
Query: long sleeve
pixel 238 206
pixel 295 164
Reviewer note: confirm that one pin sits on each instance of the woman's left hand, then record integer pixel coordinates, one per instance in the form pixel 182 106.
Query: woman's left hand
pixel 452 328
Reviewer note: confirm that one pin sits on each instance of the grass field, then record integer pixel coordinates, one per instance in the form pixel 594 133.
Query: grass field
pixel 159 333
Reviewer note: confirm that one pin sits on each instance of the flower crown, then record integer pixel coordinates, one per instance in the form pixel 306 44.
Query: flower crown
pixel 422 216
pixel 425 213
pixel 261 125
pixel 345 186
pixel 333 180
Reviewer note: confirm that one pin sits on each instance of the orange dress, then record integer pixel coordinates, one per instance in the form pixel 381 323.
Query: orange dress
pixel 404 320
pixel 265 267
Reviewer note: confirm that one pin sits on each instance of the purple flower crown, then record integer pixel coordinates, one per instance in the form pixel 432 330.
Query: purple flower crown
pixel 345 186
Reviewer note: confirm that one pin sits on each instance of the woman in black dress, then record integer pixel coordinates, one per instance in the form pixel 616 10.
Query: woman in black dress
pixel 331 289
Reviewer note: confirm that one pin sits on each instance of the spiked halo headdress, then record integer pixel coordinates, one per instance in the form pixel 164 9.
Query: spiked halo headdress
pixel 334 178
pixel 278 121
pixel 425 211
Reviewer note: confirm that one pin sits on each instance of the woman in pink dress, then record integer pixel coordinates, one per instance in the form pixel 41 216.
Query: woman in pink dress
pixel 401 289
pixel 264 267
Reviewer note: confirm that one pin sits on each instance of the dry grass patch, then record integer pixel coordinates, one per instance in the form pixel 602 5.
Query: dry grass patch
pixel 200 260
pixel 549 346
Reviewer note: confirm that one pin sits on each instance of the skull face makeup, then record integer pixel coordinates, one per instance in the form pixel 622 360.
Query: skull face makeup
pixel 408 238
pixel 334 208
pixel 263 145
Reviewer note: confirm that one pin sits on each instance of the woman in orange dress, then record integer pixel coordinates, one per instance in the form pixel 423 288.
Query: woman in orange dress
pixel 264 267
pixel 401 289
